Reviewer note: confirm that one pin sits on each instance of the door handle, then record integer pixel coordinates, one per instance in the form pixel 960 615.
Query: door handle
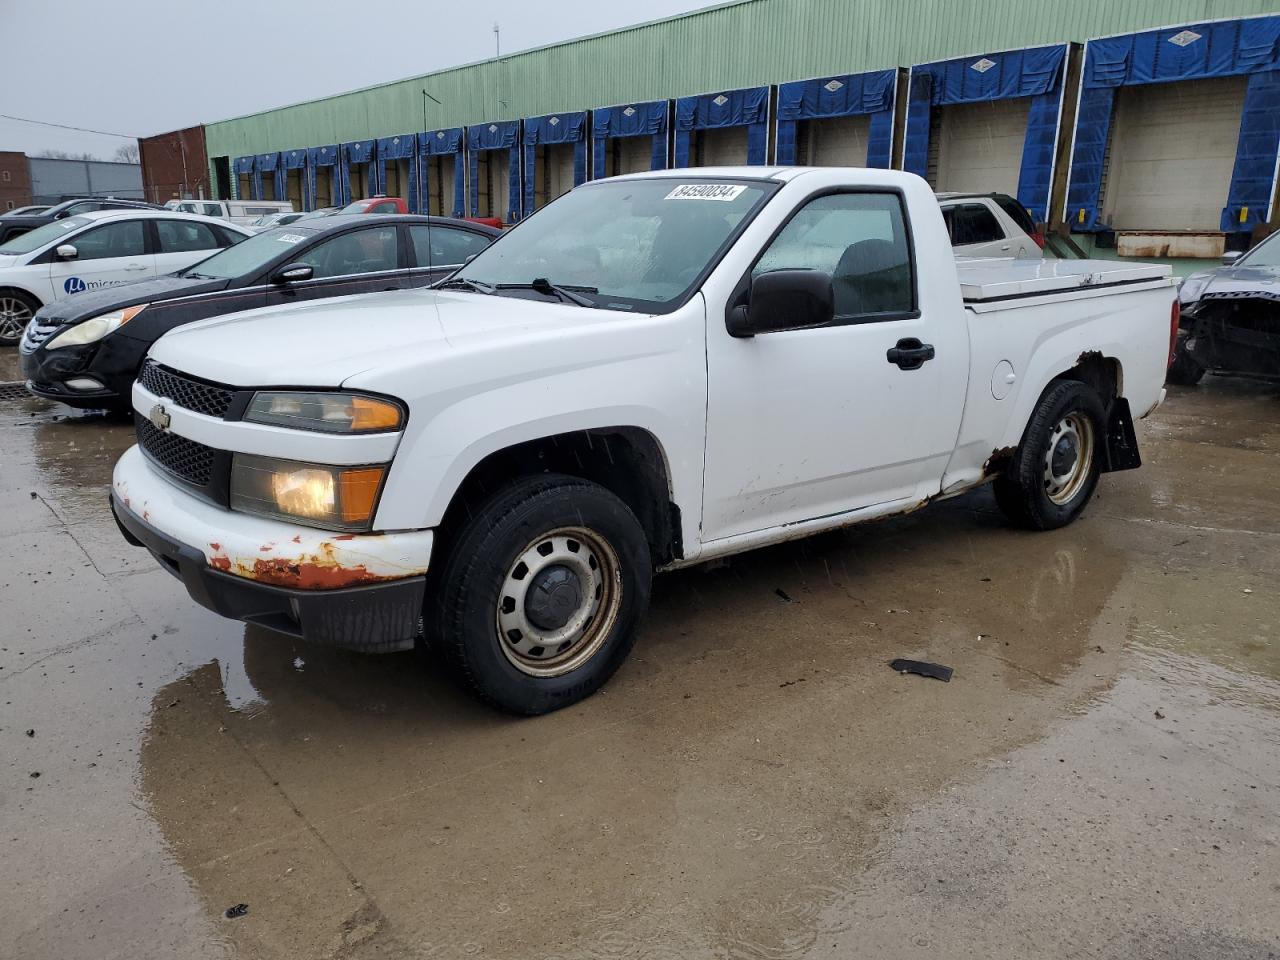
pixel 910 353
pixel 136 266
pixel 1006 246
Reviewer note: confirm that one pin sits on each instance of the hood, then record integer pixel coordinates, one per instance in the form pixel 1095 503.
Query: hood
pixel 324 344
pixel 1243 281
pixel 94 303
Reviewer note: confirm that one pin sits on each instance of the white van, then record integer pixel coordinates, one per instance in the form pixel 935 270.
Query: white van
pixel 237 211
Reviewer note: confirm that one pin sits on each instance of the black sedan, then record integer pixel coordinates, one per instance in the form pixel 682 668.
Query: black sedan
pixel 86 350
pixel 17 223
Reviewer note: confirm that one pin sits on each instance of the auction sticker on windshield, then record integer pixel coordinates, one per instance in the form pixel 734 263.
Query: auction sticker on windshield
pixel 706 191
pixel 290 238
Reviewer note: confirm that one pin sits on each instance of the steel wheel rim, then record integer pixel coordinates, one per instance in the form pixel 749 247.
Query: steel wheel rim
pixel 1068 462
pixel 537 586
pixel 14 317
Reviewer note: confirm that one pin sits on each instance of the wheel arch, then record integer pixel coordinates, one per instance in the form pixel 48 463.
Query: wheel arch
pixel 627 460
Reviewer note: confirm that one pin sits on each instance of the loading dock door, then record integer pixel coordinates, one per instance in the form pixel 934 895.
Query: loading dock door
pixel 627 155
pixel 835 142
pixel 293 188
pixel 554 175
pixel 1172 153
pixel 492 186
pixel 397 184
pixel 245 185
pixel 721 147
pixel 324 187
pixel 440 179
pixel 980 145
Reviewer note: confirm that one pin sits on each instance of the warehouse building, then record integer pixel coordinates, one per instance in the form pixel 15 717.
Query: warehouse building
pixel 1114 122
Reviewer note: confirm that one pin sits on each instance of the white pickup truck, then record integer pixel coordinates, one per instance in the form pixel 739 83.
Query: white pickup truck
pixel 653 371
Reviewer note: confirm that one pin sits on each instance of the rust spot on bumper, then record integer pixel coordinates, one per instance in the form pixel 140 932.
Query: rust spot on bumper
pixel 310 571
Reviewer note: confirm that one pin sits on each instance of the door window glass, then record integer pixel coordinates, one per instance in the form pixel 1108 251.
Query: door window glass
pixel 860 239
pixel 362 251
pixel 972 223
pixel 112 240
pixel 444 246
pixel 180 236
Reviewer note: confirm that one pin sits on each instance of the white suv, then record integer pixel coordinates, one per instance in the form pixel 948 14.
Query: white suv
pixel 105 248
pixel 990 225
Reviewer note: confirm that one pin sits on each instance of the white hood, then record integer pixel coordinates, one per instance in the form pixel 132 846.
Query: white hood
pixel 325 343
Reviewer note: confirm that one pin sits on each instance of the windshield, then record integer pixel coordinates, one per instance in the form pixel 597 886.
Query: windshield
pixel 1265 254
pixel 41 236
pixel 626 244
pixel 265 219
pixel 357 206
pixel 249 255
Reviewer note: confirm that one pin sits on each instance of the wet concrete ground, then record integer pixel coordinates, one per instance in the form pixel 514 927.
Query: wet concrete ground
pixel 1101 777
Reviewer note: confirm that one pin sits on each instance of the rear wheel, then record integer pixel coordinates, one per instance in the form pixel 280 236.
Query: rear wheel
pixel 541 593
pixel 16 311
pixel 1056 466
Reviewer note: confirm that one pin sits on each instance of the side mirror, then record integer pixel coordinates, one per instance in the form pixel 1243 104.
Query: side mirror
pixel 293 273
pixel 784 300
pixel 67 251
pixel 1230 257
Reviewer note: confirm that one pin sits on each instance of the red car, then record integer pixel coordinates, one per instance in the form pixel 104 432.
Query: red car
pixel 377 205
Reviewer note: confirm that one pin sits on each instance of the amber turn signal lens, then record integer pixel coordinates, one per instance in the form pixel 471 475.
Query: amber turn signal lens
pixel 370 414
pixel 360 493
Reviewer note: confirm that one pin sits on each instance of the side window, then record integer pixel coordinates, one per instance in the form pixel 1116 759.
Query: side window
pixel 858 238
pixel 974 223
pixel 180 236
pixel 362 251
pixel 113 240
pixel 444 246
pixel 212 210
pixel 1017 213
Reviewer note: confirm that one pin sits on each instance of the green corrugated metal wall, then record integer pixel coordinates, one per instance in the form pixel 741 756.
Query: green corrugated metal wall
pixel 734 45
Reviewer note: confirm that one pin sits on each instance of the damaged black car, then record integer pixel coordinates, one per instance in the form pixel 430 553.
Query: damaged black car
pixel 1231 317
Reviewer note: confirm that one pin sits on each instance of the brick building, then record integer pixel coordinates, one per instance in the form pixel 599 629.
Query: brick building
pixel 15 180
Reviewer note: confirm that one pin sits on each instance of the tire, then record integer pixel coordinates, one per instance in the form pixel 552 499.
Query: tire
pixel 1031 491
pixel 584 555
pixel 1186 370
pixel 16 310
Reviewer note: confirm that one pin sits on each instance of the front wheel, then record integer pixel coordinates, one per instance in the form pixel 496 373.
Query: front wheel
pixel 1056 466
pixel 541 593
pixel 16 311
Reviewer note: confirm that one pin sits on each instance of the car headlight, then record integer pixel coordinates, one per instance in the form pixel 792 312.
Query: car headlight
pixel 314 494
pixel 1191 287
pixel 326 412
pixel 94 329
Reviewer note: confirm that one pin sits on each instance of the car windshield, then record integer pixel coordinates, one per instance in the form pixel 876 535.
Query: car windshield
pixel 265 219
pixel 625 244
pixel 1265 254
pixel 250 254
pixel 41 236
pixel 357 206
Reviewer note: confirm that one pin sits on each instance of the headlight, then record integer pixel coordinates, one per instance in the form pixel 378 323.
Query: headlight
pixel 1191 287
pixel 318 495
pixel 326 412
pixel 93 330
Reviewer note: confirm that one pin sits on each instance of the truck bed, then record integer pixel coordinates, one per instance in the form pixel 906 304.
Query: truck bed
pixel 987 281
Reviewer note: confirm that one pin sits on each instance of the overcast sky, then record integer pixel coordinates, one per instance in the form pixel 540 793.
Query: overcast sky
pixel 141 67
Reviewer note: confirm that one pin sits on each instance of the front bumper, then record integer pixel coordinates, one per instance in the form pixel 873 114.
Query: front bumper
pixel 47 373
pixel 362 592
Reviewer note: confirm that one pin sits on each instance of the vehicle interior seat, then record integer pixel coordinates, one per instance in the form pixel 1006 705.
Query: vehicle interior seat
pixel 872 276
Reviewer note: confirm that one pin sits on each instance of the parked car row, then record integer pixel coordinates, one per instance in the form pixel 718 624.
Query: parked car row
pixel 86 350
pixel 17 223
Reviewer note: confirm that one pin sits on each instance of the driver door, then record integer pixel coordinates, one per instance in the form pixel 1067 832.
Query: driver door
pixel 815 422
pixel 364 260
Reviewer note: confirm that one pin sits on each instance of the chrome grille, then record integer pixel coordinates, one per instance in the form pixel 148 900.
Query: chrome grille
pixel 36 334
pixel 197 395
pixel 187 460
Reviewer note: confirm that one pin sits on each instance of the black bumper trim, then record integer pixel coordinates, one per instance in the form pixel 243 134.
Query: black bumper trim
pixel 375 618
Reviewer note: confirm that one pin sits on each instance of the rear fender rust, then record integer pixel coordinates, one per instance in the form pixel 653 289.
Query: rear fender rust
pixel 1000 459
pixel 329 567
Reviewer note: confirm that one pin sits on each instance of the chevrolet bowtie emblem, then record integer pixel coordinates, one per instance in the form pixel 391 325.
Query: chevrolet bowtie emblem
pixel 159 417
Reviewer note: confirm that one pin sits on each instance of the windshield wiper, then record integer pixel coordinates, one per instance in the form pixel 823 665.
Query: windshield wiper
pixel 466 283
pixel 566 294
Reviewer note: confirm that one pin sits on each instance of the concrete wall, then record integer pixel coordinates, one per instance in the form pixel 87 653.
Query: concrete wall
pixel 51 180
